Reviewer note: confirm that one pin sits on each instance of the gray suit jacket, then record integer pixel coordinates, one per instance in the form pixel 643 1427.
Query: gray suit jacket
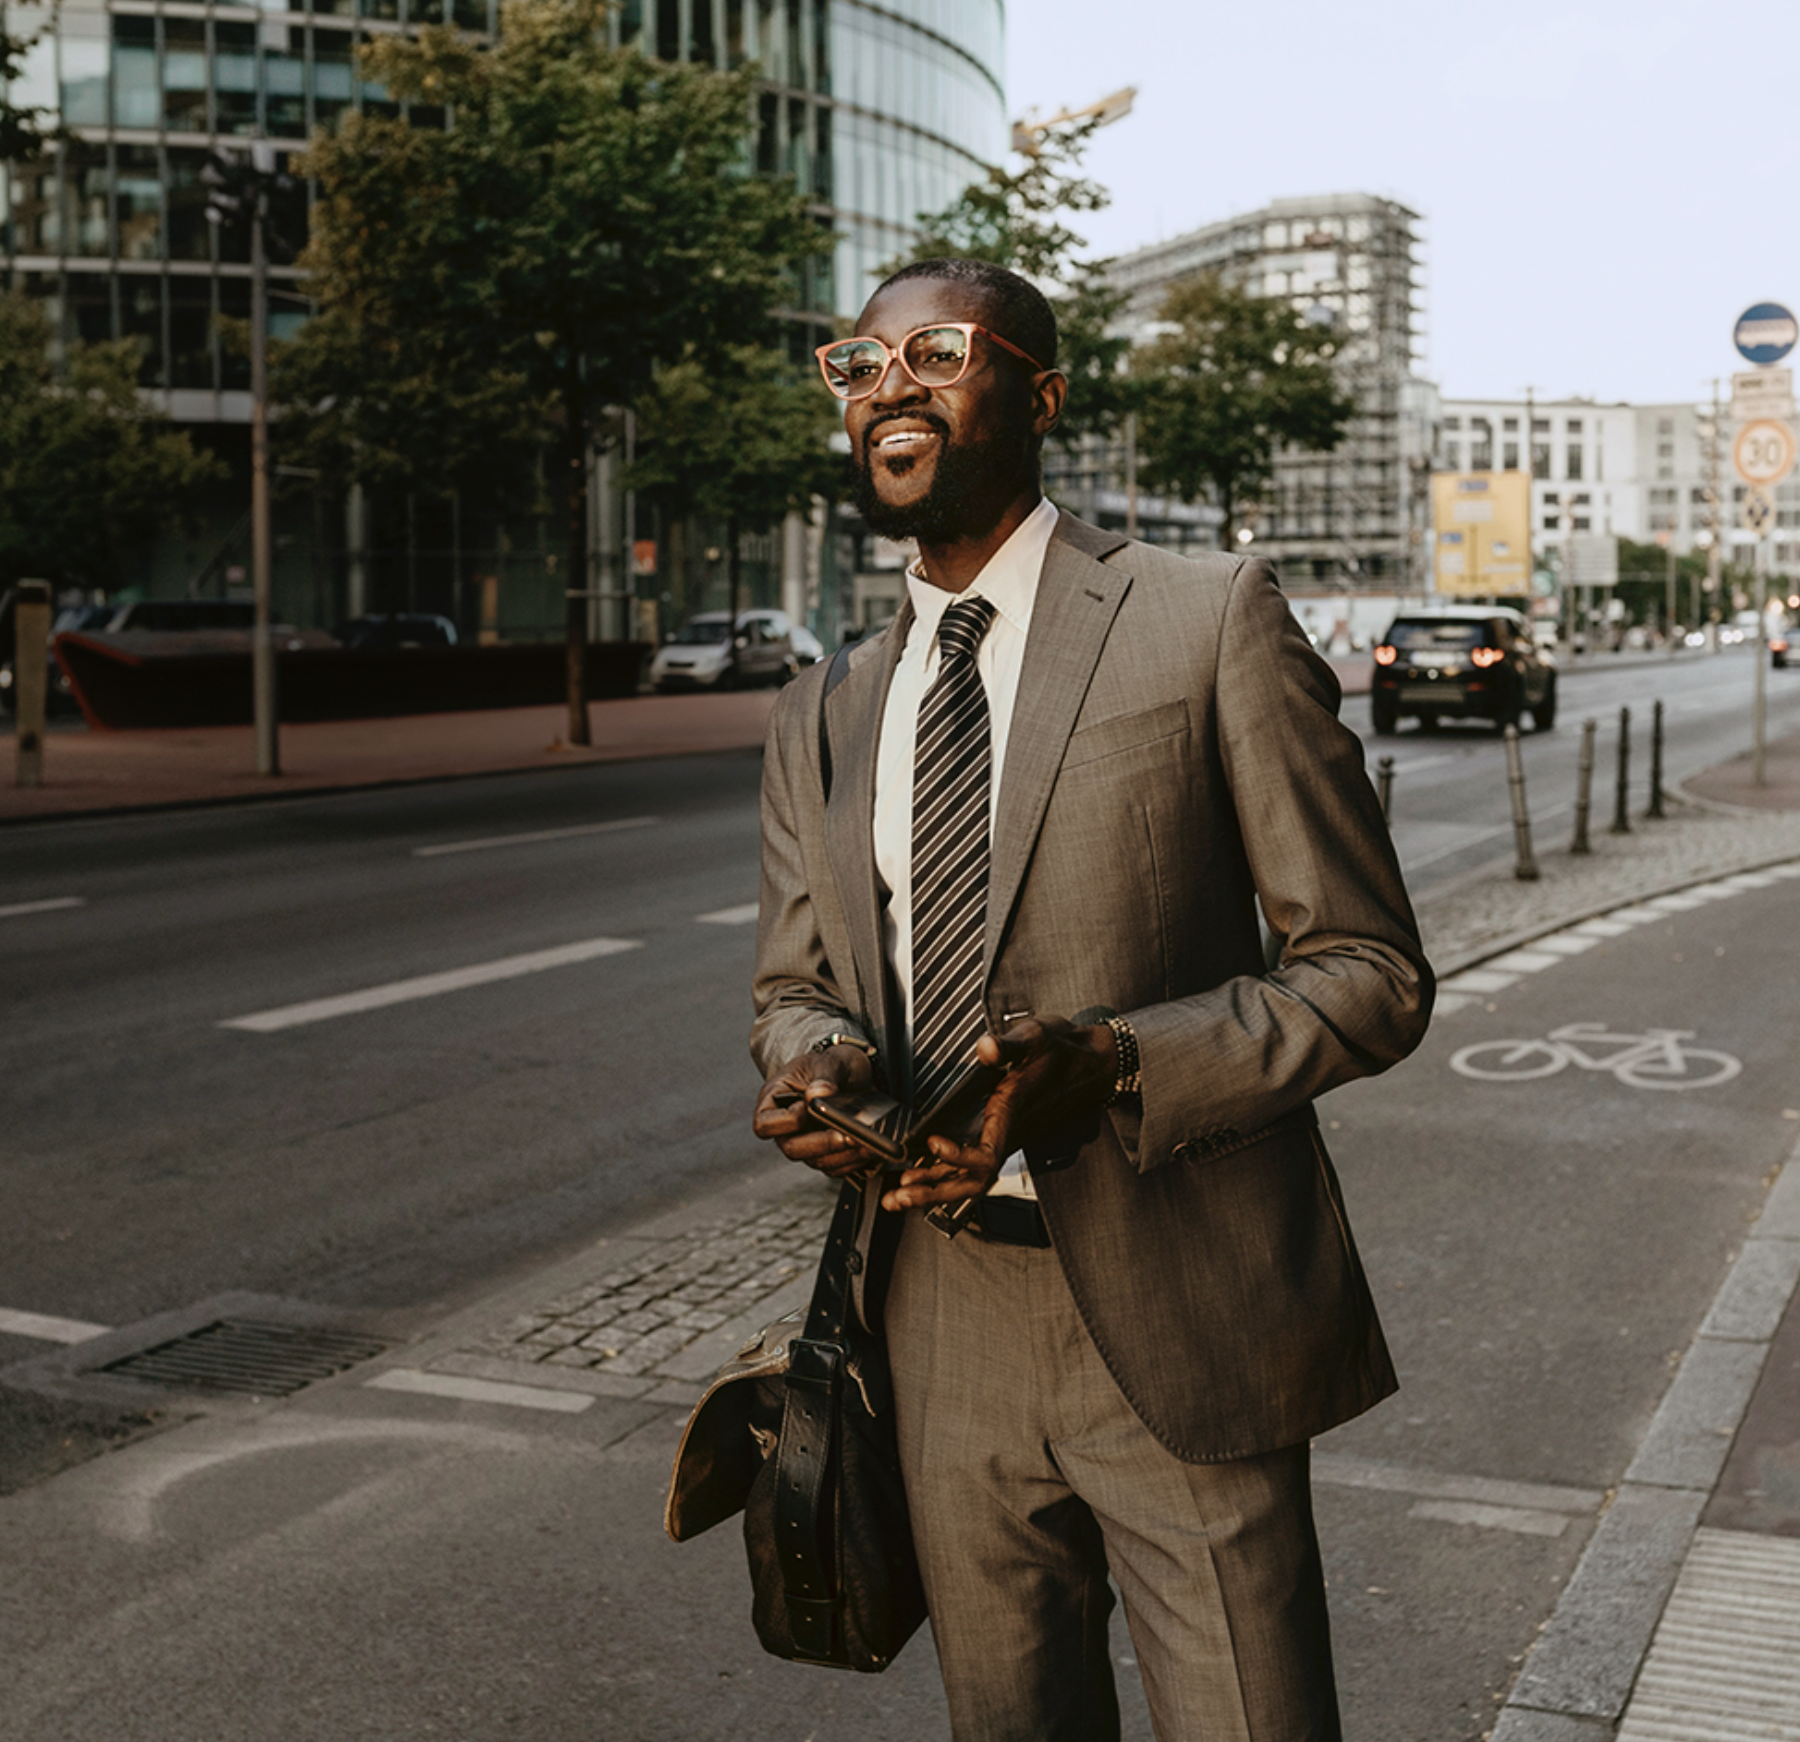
pixel 1175 757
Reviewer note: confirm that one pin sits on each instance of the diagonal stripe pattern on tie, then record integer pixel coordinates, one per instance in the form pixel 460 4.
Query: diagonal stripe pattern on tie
pixel 952 763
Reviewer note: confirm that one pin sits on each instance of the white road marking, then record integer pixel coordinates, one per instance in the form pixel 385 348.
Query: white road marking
pixel 745 915
pixel 1480 980
pixel 47 1329
pixel 1564 944
pixel 1526 961
pixel 1519 1519
pixel 19 909
pixel 536 835
pixel 1598 928
pixel 1348 1472
pixel 1655 1059
pixel 479 1390
pixel 429 985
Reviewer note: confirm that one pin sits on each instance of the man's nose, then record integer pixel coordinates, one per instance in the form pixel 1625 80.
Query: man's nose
pixel 896 387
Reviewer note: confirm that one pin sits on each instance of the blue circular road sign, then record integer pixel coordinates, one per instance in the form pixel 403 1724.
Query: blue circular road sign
pixel 1765 333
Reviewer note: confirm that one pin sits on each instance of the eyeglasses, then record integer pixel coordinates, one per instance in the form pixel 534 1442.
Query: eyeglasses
pixel 933 356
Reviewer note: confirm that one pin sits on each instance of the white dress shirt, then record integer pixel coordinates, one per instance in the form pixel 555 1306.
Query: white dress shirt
pixel 1009 582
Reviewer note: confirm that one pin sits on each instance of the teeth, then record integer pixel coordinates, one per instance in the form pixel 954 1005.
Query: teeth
pixel 903 438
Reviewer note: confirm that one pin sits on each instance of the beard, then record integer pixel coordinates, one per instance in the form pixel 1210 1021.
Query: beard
pixel 969 490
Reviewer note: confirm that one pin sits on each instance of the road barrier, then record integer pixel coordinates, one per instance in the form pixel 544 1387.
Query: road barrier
pixel 31 678
pixel 1621 823
pixel 1526 870
pixel 1384 785
pixel 1584 787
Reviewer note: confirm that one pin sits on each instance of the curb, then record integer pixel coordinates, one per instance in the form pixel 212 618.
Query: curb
pixel 229 800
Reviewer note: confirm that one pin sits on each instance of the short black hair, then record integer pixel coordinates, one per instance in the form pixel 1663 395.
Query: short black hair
pixel 1022 312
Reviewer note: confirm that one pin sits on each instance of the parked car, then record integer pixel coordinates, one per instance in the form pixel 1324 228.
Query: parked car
pixel 707 654
pixel 808 648
pixel 1462 662
pixel 398 629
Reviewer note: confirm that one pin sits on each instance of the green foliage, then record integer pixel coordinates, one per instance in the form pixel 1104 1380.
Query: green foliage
pixel 1014 218
pixel 1232 378
pixel 500 284
pixel 23 132
pixel 87 473
pixel 741 440
pixel 738 439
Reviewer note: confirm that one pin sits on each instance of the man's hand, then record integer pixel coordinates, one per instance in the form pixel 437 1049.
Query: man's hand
pixel 782 1117
pixel 1056 1075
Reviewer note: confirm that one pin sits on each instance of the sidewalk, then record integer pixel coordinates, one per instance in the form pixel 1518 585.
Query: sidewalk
pixel 95 772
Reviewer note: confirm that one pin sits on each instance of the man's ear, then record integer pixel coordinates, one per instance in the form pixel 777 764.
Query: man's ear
pixel 1049 392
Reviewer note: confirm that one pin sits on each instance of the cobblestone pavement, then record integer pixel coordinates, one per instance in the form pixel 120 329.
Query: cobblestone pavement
pixel 636 1320
pixel 661 1320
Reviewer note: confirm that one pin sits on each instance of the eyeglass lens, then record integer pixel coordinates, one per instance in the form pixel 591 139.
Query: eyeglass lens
pixel 934 357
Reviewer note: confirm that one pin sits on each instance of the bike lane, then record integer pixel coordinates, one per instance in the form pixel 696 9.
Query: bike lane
pixel 1544 1247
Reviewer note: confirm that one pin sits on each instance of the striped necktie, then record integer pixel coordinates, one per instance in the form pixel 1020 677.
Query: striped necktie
pixel 952 760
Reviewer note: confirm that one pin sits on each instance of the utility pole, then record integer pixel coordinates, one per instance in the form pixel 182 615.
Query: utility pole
pixel 1715 521
pixel 237 200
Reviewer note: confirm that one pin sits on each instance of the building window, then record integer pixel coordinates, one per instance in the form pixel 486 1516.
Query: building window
pixel 1574 427
pixel 1573 467
pixel 1540 459
pixel 1510 426
pixel 1509 457
pixel 1665 426
pixel 1453 423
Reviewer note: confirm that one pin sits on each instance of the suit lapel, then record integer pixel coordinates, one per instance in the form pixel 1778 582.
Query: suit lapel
pixel 853 728
pixel 1077 599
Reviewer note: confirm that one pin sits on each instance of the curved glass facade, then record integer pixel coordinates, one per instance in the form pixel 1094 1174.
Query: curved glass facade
pixel 881 110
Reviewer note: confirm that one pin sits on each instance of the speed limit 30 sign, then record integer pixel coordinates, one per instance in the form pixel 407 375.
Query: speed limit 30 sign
pixel 1763 451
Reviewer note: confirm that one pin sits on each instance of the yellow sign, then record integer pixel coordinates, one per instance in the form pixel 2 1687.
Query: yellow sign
pixel 1481 533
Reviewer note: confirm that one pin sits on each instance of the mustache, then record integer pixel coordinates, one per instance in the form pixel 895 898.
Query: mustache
pixel 932 422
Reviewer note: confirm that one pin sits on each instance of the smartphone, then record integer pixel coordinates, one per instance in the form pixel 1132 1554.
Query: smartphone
pixel 887 1129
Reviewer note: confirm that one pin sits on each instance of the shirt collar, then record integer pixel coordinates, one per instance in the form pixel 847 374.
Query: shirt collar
pixel 1009 581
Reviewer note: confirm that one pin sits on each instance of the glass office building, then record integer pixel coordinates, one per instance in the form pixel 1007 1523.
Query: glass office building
pixel 881 110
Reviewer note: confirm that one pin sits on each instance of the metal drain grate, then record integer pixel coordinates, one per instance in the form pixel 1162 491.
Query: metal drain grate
pixel 254 1357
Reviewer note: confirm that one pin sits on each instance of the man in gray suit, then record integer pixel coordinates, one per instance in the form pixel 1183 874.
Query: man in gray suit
pixel 1041 811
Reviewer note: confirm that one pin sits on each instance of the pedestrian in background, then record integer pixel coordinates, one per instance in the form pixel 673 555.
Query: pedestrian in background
pixel 1060 784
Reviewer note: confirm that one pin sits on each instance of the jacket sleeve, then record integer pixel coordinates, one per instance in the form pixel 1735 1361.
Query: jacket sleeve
pixel 798 998
pixel 1352 992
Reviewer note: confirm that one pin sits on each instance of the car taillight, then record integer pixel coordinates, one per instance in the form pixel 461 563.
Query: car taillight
pixel 1486 656
pixel 1385 655
pixel 1779 644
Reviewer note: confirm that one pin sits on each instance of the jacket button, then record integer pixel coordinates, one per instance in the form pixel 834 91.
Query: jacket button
pixel 853 1262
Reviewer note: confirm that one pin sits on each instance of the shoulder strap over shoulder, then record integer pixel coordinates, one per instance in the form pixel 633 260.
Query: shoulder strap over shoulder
pixel 840 667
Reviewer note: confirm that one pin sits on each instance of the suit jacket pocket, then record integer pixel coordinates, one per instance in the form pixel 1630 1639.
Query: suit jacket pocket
pixel 1126 732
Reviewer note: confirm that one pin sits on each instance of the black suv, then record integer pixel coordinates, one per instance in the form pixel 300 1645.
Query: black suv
pixel 1461 662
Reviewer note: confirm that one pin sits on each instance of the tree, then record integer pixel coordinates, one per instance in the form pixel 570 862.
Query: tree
pixel 87 473
pixel 1231 378
pixel 23 132
pixel 741 440
pixel 1014 218
pixel 506 284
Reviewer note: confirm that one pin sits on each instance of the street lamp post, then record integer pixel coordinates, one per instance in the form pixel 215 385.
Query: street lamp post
pixel 238 190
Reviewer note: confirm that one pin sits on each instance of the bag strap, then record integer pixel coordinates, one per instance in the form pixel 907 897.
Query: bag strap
pixel 840 669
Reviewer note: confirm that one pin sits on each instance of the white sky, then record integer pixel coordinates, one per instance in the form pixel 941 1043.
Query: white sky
pixel 1605 184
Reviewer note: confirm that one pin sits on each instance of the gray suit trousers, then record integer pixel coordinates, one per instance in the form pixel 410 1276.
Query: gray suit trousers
pixel 1030 1477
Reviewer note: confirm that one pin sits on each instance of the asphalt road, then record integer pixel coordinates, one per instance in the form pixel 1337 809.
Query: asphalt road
pixel 364 1564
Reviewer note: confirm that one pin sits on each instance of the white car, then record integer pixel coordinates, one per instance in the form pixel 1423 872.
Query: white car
pixel 707 655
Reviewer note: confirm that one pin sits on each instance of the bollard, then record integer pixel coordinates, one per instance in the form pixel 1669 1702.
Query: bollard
pixel 1621 823
pixel 1384 784
pixel 1656 755
pixel 1584 787
pixel 31 678
pixel 1527 868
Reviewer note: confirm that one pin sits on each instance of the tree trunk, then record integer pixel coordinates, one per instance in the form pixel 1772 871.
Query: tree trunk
pixel 575 577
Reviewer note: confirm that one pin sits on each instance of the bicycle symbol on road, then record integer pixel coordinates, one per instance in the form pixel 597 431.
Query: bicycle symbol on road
pixel 1655 1059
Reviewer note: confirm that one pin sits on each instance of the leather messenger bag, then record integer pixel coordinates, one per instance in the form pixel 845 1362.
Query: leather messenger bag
pixel 797 1432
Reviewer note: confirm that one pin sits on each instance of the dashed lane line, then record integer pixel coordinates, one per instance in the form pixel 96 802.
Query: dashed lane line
pixel 745 915
pixel 455 1385
pixel 18 909
pixel 429 985
pixel 47 1329
pixel 569 834
pixel 1497 973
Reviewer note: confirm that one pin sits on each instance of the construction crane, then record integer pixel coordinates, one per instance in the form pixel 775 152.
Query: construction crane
pixel 1028 135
